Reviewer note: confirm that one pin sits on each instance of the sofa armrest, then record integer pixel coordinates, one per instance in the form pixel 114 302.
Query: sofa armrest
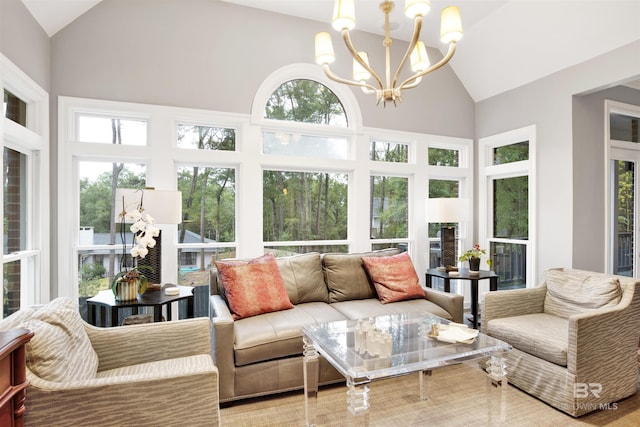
pixel 128 400
pixel 133 344
pixel 451 302
pixel 223 339
pixel 516 302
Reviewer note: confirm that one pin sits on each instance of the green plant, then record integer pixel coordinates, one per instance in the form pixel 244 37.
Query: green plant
pixel 476 252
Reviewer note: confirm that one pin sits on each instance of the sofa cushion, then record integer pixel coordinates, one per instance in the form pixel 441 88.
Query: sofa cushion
pixel 303 278
pixel 60 349
pixel 394 277
pixel 253 287
pixel 346 278
pixel 359 309
pixel 277 335
pixel 572 292
pixel 542 335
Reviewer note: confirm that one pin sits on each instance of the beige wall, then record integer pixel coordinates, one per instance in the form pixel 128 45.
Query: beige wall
pixel 24 42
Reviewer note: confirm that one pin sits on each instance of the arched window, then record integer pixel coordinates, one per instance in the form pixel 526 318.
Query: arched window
pixel 306 101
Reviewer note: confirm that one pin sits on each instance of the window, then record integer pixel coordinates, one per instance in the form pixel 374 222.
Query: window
pixel 506 201
pixel 385 151
pixel 622 185
pixel 111 130
pixel 444 157
pixel 100 237
pixel 208 229
pixel 25 206
pixel 285 179
pixel 305 101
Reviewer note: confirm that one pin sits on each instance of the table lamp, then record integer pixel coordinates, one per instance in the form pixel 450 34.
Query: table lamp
pixel 447 211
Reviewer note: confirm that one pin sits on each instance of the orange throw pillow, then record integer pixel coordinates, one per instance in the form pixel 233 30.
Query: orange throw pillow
pixel 253 287
pixel 394 277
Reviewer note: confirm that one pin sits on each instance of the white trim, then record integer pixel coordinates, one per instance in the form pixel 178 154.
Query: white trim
pixel 487 171
pixel 33 141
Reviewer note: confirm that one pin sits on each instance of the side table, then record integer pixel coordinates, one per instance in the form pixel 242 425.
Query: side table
pixel 13 376
pixel 156 299
pixel 464 274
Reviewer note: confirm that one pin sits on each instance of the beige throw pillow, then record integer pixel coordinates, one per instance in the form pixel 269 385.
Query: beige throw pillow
pixel 60 349
pixel 572 292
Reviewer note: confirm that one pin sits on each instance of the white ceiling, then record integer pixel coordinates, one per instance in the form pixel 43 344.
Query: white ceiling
pixel 507 43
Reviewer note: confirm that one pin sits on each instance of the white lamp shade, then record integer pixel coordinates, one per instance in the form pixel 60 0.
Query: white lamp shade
pixel 419 58
pixel 359 72
pixel 344 15
pixel 413 8
pixel 324 49
pixel 443 210
pixel 163 205
pixel 450 25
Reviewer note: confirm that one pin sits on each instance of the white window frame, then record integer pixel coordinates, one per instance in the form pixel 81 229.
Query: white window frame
pixel 32 141
pixel 163 157
pixel 488 172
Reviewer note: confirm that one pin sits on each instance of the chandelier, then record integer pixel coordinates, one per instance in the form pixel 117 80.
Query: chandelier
pixel 391 90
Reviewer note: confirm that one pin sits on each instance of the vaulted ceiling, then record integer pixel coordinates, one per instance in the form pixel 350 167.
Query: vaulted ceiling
pixel 507 43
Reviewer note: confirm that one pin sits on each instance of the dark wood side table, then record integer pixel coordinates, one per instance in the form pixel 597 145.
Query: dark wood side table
pixel 463 274
pixel 156 299
pixel 13 377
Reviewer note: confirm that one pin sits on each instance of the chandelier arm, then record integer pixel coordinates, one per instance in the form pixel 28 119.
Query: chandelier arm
pixel 339 79
pixel 406 84
pixel 347 41
pixel 417 27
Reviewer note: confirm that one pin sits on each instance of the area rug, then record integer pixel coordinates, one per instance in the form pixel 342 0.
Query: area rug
pixel 458 398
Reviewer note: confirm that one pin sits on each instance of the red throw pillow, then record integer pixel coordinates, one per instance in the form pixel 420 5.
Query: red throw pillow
pixel 253 287
pixel 394 277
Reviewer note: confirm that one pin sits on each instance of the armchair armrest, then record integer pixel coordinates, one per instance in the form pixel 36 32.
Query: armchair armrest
pixel 224 340
pixel 516 302
pixel 129 399
pixel 452 303
pixel 149 342
pixel 605 341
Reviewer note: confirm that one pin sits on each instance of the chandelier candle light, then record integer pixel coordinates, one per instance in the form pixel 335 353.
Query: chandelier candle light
pixel 390 91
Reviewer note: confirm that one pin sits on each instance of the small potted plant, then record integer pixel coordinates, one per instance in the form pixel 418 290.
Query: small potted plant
pixel 473 256
pixel 131 282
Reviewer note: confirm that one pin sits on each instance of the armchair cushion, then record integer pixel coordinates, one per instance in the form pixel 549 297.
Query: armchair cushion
pixel 572 292
pixel 60 349
pixel 543 335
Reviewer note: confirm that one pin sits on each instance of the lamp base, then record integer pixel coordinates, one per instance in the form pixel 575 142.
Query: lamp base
pixel 448 248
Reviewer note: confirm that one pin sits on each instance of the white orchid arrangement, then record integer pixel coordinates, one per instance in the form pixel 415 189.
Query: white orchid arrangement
pixel 144 232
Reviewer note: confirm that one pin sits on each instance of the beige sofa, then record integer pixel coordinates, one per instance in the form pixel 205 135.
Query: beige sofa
pixel 262 354
pixel 154 374
pixel 574 337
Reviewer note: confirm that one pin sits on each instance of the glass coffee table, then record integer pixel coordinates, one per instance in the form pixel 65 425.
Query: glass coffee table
pixel 387 346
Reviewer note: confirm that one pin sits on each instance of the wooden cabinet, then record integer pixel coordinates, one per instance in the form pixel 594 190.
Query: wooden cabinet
pixel 13 378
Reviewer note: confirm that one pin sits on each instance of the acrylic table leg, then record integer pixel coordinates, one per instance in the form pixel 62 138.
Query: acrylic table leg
pixel 311 368
pixel 425 384
pixel 358 401
pixel 497 386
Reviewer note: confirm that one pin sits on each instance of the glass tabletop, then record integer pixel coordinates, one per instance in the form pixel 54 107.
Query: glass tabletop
pixel 411 347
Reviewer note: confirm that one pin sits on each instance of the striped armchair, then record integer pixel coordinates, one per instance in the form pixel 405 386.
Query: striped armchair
pixel 140 375
pixel 575 338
